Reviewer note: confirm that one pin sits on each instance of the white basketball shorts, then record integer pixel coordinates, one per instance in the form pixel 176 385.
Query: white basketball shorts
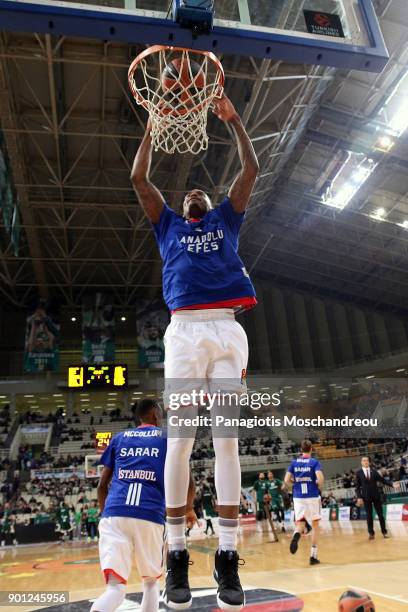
pixel 205 346
pixel 308 508
pixel 124 540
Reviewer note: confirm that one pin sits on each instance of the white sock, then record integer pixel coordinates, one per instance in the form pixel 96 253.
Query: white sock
pixel 228 533
pixel 111 598
pixel 313 552
pixel 151 596
pixel 176 533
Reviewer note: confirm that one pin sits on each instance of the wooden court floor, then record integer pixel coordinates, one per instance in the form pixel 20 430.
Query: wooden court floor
pixel 348 560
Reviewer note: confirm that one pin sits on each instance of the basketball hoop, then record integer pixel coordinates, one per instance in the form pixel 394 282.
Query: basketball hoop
pixel 177 87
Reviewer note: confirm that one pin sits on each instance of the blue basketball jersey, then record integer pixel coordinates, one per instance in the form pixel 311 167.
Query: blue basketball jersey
pixel 137 458
pixel 200 258
pixel 304 473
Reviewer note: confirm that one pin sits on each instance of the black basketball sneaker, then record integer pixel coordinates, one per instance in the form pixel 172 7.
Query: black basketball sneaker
pixel 230 595
pixel 294 543
pixel 177 594
pixel 314 561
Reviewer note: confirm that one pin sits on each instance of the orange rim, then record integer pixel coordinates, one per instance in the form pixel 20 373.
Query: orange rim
pixel 156 49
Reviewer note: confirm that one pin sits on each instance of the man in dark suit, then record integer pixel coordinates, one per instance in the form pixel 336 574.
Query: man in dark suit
pixel 369 495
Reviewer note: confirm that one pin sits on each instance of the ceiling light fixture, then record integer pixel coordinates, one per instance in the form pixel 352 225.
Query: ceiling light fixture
pixel 384 143
pixel 351 178
pixel 395 108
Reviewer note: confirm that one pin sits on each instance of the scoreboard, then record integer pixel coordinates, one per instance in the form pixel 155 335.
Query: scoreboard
pixel 100 376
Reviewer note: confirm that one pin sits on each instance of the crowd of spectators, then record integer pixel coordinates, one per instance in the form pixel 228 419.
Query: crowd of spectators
pixel 260 446
pixel 248 446
pixel 53 491
pixel 69 521
pixel 28 417
pixel 41 500
pixel 67 429
pixel 5 464
pixel 45 460
pixel 273 446
pixel 5 422
pixel 9 487
pixel 393 466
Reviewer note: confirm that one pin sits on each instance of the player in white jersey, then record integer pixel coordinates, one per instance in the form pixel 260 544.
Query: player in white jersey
pixel 306 476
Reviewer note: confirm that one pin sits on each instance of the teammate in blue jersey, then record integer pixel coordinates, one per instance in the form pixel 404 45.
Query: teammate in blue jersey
pixel 306 476
pixel 204 283
pixel 131 499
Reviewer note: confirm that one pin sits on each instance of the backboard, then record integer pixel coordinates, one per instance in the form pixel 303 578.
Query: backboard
pixel 92 467
pixel 341 33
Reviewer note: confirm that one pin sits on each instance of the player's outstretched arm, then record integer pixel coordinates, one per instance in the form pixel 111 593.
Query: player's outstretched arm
pixel 241 188
pixel 150 197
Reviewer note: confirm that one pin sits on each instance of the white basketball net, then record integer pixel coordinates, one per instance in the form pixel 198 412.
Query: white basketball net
pixel 179 114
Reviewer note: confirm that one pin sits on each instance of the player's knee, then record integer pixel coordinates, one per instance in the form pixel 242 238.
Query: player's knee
pixel 118 593
pixel 180 448
pixel 151 595
pixel 112 598
pixel 226 448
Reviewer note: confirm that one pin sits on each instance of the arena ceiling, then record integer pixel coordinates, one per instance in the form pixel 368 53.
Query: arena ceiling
pixel 72 131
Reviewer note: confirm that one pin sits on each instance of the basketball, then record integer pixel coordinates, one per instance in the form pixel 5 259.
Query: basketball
pixel 183 77
pixel 356 601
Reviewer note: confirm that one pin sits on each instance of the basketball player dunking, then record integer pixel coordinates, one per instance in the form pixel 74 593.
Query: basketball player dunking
pixel 305 473
pixel 204 281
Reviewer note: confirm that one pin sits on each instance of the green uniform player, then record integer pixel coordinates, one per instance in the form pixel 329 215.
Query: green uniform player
pixel 7 530
pixel 92 519
pixel 208 503
pixel 275 491
pixel 261 489
pixel 78 523
pixel 208 510
pixel 64 525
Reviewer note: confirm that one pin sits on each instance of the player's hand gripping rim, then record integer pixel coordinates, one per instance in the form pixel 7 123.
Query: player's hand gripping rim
pixel 224 109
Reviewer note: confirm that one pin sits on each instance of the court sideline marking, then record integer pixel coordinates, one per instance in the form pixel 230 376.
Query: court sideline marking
pixel 393 597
